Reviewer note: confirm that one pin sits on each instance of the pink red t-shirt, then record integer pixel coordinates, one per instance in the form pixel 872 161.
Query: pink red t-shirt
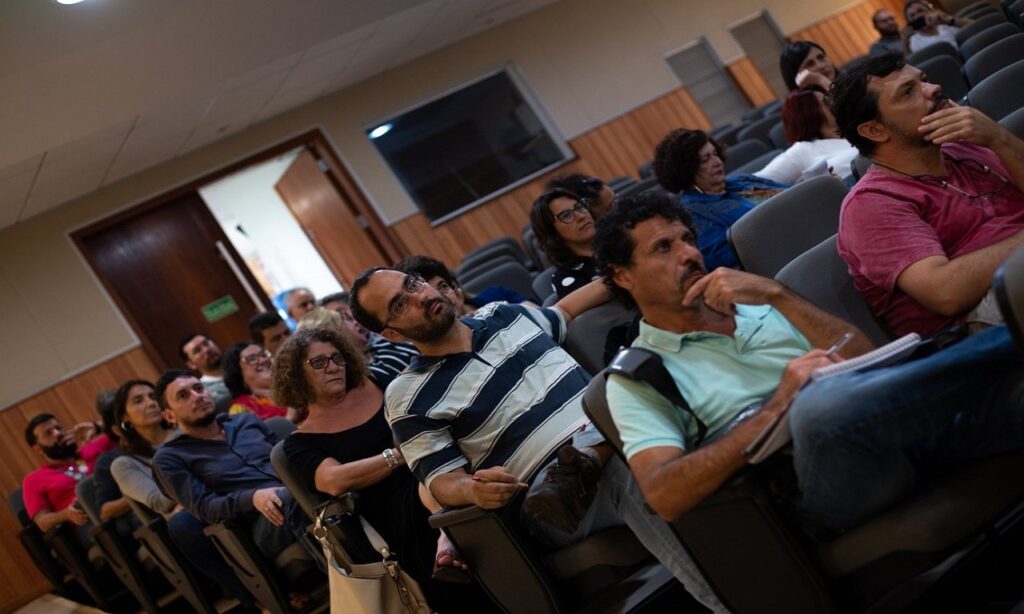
pixel 50 488
pixel 91 451
pixel 889 222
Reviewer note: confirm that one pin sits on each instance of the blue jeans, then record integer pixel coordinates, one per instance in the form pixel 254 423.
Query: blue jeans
pixel 186 531
pixel 862 441
pixel 619 501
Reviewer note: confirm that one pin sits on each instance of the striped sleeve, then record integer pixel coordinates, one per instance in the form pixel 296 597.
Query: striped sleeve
pixel 548 319
pixel 426 443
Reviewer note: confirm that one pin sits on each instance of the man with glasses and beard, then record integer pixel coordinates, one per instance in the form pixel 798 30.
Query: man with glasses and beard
pixel 941 206
pixel 49 492
pixel 493 406
pixel 218 466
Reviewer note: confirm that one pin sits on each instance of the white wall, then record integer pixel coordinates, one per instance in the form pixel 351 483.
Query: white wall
pixel 274 245
pixel 587 61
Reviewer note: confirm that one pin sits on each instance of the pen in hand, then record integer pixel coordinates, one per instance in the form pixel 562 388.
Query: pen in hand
pixel 839 345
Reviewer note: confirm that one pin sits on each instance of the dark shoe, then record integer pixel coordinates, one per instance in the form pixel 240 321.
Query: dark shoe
pixel 450 573
pixel 562 498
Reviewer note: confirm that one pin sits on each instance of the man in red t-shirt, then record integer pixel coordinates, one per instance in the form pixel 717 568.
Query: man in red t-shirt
pixel 49 492
pixel 941 207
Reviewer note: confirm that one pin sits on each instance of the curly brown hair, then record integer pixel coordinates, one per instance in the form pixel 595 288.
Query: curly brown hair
pixel 288 376
pixel 677 158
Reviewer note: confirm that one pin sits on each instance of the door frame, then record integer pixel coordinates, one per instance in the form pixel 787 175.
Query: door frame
pixel 336 172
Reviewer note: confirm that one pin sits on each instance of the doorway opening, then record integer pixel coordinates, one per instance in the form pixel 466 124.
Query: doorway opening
pixel 207 256
pixel 265 233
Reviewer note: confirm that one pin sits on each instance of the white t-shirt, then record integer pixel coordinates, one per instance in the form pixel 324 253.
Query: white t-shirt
pixel 945 33
pixel 789 166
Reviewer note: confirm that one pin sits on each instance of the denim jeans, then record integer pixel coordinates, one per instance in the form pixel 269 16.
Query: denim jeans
pixel 271 539
pixel 619 501
pixel 186 531
pixel 862 441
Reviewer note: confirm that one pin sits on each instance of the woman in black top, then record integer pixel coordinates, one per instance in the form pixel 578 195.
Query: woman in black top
pixel 565 231
pixel 345 444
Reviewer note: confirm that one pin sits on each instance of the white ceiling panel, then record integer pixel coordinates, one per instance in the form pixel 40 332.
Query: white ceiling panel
pixel 285 101
pixel 15 182
pixel 74 169
pixel 218 65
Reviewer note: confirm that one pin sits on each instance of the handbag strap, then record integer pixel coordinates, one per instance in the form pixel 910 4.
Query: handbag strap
pixel 320 532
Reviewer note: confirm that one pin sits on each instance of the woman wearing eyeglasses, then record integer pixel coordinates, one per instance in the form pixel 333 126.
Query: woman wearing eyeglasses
pixel 247 377
pixel 345 444
pixel 565 231
pixel 692 164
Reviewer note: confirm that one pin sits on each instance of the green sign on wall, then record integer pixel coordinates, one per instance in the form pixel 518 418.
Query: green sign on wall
pixel 219 309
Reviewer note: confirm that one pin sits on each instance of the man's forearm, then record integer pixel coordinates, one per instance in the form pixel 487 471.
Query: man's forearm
pixel 674 488
pixel 589 296
pixel 115 508
pixel 452 489
pixel 822 329
pixel 47 520
pixel 1010 150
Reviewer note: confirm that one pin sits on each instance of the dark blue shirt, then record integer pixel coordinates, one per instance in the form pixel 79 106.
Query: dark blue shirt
pixel 213 478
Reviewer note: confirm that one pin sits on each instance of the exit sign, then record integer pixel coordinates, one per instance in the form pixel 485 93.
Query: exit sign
pixel 220 308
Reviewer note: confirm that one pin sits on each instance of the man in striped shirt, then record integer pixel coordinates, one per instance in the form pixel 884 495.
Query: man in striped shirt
pixel 493 397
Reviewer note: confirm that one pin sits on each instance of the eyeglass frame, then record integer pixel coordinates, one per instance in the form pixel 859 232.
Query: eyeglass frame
pixel 968 163
pixel 412 284
pixel 252 359
pixel 337 358
pixel 582 204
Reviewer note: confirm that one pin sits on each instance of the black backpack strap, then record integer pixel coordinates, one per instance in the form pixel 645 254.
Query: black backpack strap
pixel 645 366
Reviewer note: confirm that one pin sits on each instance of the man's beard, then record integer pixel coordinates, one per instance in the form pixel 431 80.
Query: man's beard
pixel 202 421
pixel 214 363
pixel 60 451
pixel 690 269
pixel 432 330
pixel 915 138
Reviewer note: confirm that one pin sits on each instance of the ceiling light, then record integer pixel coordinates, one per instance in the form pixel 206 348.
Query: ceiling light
pixel 380 131
pixel 68 1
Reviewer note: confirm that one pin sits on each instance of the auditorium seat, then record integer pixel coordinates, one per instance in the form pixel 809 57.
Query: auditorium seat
pixel 646 169
pixel 985 38
pixel 638 187
pixel 172 563
pixel 758 560
pixel 1001 93
pixel 743 152
pixel 509 274
pixel 821 276
pixel 541 283
pixel 756 164
pixel 726 135
pixel 1008 285
pixel 31 538
pixel 978 10
pixel 620 182
pixel 491 249
pixel 587 336
pixel 965 10
pixel 777 136
pixel 122 554
pixel 786 225
pixel 947 72
pixel 932 51
pixel 993 58
pixel 979 25
pixel 1014 122
pixel 759 129
pixel 859 166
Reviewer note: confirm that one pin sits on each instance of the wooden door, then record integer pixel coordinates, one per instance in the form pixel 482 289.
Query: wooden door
pixel 163 265
pixel 333 224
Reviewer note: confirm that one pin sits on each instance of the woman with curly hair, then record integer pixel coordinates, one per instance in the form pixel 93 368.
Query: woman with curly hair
pixel 345 445
pixel 247 377
pixel 565 230
pixel 815 140
pixel 692 164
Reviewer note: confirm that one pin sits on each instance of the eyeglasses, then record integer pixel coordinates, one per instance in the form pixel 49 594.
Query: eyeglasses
pixel 969 164
pixel 252 359
pixel 411 285
pixel 566 216
pixel 320 362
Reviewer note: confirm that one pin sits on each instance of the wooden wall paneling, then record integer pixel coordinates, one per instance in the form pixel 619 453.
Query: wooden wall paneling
pixel 850 33
pixel 615 148
pixel 751 82
pixel 71 401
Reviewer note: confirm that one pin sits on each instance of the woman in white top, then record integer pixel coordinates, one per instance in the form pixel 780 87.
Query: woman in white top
pixel 927 26
pixel 816 145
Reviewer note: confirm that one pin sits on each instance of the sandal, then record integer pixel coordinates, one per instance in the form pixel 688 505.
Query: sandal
pixel 449 573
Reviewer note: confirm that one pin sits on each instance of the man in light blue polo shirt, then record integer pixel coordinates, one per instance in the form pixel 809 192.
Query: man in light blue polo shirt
pixel 740 349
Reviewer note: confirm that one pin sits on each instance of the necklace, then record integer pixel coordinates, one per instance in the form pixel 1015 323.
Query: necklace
pixel 966 163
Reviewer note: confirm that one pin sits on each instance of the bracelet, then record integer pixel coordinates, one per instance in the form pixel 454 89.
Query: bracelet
pixel 391 458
